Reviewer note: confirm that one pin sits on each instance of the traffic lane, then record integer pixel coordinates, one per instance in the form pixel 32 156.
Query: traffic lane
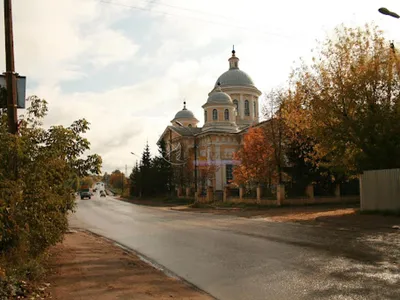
pixel 227 256
pixel 335 242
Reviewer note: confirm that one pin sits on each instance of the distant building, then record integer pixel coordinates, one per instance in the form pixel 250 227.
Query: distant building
pixel 231 108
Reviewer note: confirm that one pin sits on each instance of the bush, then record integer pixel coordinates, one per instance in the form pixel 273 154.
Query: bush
pixel 35 200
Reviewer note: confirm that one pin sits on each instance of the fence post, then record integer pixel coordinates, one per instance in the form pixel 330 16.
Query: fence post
pixel 226 194
pixel 337 190
pixel 258 194
pixel 280 194
pixel 188 192
pixel 310 191
pixel 210 194
pixel 241 192
pixel 180 192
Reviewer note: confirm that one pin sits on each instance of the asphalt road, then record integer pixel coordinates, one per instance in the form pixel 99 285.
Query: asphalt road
pixel 235 258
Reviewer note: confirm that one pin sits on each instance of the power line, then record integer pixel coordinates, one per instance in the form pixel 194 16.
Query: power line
pixel 152 2
pixel 149 9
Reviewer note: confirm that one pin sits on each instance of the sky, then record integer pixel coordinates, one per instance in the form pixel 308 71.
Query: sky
pixel 127 65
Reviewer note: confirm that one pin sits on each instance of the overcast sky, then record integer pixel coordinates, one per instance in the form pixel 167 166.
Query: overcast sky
pixel 127 65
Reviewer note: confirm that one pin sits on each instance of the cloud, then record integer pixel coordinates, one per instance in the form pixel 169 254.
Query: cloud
pixel 54 39
pixel 126 66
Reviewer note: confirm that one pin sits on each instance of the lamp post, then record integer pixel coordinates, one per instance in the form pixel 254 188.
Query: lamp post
pixel 385 11
pixel 195 153
pixel 11 80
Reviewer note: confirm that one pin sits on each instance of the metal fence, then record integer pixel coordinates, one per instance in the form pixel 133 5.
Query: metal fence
pixel 380 190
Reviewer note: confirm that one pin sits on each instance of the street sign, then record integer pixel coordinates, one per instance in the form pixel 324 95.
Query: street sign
pixel 21 89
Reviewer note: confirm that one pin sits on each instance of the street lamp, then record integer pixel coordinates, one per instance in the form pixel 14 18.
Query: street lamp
pixel 385 11
pixel 195 154
pixel 135 154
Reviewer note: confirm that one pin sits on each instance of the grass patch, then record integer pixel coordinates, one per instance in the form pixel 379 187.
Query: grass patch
pixel 161 201
pixel 221 204
pixel 22 279
pixel 200 205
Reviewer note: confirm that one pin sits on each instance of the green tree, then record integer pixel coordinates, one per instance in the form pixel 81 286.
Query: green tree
pixel 135 181
pixel 161 170
pixel 34 206
pixel 146 172
pixel 116 179
pixel 87 180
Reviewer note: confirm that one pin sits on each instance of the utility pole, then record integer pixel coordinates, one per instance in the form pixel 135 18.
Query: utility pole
pixel 10 69
pixel 126 175
pixel 170 159
pixel 122 180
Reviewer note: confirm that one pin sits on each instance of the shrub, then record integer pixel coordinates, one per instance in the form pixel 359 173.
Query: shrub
pixel 36 167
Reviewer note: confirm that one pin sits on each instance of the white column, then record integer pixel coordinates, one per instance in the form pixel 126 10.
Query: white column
pixel 256 100
pixel 241 107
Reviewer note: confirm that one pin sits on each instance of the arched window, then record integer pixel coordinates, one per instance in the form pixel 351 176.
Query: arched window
pixel 236 105
pixel 205 116
pixel 254 108
pixel 226 115
pixel 215 114
pixel 246 108
pixel 190 125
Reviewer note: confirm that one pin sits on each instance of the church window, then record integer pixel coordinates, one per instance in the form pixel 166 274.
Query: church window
pixel 255 108
pixel 205 116
pixel 246 108
pixel 226 114
pixel 215 114
pixel 236 105
pixel 229 173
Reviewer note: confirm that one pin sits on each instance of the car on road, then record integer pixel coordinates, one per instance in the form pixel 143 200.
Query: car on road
pixel 85 192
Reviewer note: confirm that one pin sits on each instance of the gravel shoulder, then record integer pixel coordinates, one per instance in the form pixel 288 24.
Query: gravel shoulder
pixel 85 266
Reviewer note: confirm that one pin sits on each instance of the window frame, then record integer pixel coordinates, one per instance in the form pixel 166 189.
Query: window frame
pixel 228 173
pixel 215 115
pixel 236 103
pixel 246 108
pixel 226 115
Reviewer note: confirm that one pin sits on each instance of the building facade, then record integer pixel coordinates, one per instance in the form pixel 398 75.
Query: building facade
pixel 231 108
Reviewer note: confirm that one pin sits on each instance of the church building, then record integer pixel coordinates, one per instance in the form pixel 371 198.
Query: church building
pixel 231 108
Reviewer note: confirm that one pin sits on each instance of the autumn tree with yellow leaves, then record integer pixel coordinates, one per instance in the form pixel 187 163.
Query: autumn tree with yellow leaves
pixel 348 102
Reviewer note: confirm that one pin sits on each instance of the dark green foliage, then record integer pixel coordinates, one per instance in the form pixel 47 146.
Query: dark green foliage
pixel 35 204
pixel 152 176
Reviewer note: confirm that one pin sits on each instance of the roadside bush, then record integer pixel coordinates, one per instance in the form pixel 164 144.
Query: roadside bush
pixel 36 168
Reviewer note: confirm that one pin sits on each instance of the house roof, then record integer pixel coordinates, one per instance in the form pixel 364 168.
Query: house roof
pixel 194 131
pixel 182 131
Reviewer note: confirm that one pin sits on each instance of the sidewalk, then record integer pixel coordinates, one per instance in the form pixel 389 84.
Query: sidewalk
pixel 335 216
pixel 85 266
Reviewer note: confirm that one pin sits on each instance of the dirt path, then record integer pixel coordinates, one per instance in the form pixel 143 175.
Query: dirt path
pixel 88 267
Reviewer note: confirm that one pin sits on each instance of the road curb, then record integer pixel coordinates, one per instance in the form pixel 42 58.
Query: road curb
pixel 147 260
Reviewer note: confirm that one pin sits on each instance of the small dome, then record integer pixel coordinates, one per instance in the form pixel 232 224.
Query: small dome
pixel 219 97
pixel 184 114
pixel 235 77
